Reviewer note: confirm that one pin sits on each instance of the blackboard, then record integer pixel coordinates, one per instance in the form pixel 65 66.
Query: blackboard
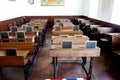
pixel 66 44
pixel 10 51
pixel 90 44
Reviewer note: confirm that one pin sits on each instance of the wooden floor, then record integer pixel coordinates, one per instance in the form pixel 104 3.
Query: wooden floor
pixel 43 67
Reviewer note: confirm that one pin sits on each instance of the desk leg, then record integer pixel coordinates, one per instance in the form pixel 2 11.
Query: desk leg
pixel 1 68
pixel 26 71
pixel 55 66
pixel 84 60
pixel 90 68
pixel 1 71
pixel 89 72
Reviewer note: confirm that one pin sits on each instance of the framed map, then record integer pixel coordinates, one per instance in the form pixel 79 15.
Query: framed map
pixel 52 2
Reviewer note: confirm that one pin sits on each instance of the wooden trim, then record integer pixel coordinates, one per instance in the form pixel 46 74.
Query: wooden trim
pixel 25 19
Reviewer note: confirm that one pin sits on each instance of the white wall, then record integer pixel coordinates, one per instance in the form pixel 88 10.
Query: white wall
pixel 86 7
pixel 116 12
pixel 93 10
pixel 10 9
pixel 105 13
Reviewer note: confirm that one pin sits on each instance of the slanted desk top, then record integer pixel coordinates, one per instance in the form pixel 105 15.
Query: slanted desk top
pixel 75 52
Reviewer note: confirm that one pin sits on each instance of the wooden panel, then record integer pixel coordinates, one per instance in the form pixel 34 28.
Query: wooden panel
pixel 19 60
pixel 71 33
pixel 50 18
pixel 75 41
pixel 4 24
pixel 74 52
pixel 25 19
pixel 19 46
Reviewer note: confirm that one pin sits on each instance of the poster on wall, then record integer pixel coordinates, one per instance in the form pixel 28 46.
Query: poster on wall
pixel 52 2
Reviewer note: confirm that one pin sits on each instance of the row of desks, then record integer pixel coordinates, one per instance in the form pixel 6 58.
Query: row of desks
pixel 56 52
pixel 25 50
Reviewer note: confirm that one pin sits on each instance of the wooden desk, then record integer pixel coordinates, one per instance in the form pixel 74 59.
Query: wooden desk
pixel 59 53
pixel 20 60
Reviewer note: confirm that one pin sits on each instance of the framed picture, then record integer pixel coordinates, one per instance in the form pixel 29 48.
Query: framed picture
pixel 52 2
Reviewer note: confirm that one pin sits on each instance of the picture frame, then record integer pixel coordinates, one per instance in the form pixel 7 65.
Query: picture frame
pixel 52 2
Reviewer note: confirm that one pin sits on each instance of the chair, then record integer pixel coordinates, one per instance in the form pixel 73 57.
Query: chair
pixel 28 29
pixel 14 29
pixel 4 35
pixel 20 35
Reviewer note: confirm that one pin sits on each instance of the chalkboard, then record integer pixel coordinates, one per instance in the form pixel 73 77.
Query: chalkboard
pixel 36 27
pixel 13 29
pixel 66 44
pixel 75 28
pixel 64 36
pixel 28 29
pixel 57 28
pixel 4 35
pixel 58 20
pixel 10 51
pixel 78 36
pixel 90 44
pixel 20 35
pixel 67 20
